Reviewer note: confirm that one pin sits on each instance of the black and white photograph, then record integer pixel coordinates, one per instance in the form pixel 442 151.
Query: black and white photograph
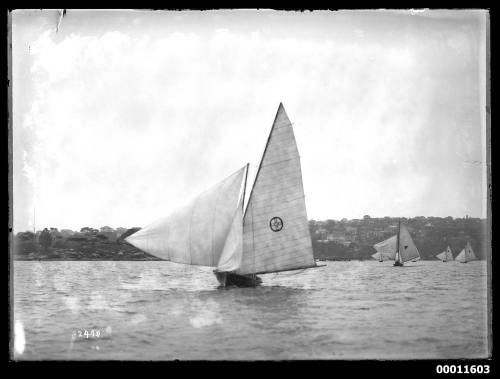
pixel 250 185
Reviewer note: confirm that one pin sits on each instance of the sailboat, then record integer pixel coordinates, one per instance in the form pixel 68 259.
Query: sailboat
pixel 446 255
pixel 466 255
pixel 399 247
pixel 271 234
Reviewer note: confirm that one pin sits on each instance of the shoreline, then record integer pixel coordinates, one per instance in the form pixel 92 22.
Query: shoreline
pixel 152 258
pixel 81 251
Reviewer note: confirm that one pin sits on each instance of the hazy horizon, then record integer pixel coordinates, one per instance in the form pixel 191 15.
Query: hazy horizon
pixel 122 116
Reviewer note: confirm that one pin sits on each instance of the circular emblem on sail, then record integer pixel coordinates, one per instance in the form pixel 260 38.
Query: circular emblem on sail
pixel 276 224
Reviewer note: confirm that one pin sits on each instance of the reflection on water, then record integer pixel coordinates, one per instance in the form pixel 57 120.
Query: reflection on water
pixel 160 310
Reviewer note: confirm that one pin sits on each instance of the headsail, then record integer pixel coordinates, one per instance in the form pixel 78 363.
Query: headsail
pixel 407 248
pixel 196 233
pixel 275 227
pixel 387 248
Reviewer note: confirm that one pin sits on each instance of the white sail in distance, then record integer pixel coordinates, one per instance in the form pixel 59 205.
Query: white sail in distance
pixel 407 248
pixel 445 255
pixel 276 233
pixel 466 255
pixel 461 256
pixel 195 234
pixel 449 254
pixel 386 248
pixel 469 253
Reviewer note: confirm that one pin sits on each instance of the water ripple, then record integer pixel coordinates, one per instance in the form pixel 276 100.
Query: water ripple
pixel 159 310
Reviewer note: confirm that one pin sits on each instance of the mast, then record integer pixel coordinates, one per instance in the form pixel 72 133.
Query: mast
pixel 243 201
pixel 397 242
pixel 244 188
pixel 255 181
pixel 262 159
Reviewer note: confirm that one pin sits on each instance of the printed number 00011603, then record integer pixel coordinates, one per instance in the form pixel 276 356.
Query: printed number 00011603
pixel 463 369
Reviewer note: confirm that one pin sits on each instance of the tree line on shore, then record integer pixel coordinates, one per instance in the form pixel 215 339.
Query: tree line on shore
pixel 331 239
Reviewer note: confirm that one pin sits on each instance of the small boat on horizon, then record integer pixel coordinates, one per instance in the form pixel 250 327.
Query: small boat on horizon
pixel 399 248
pixel 466 255
pixel 446 255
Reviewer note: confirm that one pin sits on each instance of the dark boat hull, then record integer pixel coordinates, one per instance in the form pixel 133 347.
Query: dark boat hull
pixel 227 279
pixel 398 264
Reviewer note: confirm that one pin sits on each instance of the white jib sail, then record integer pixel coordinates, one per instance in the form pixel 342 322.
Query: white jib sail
pixel 196 233
pixel 407 248
pixel 387 248
pixel 461 256
pixel 442 256
pixel 276 233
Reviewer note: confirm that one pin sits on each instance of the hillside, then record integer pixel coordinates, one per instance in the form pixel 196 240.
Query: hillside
pixel 331 239
pixel 354 239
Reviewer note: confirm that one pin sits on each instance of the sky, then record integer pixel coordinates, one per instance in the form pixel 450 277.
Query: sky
pixel 119 117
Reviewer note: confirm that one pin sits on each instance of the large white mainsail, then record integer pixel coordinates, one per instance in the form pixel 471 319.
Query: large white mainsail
pixel 466 255
pixel 275 232
pixel 196 233
pixel 446 255
pixel 407 248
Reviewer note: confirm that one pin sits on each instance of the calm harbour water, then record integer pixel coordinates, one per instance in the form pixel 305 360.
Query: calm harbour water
pixel 161 311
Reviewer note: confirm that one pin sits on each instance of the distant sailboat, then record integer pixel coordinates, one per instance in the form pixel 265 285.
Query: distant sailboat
pixel 270 235
pixel 446 255
pixel 466 255
pixel 399 248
